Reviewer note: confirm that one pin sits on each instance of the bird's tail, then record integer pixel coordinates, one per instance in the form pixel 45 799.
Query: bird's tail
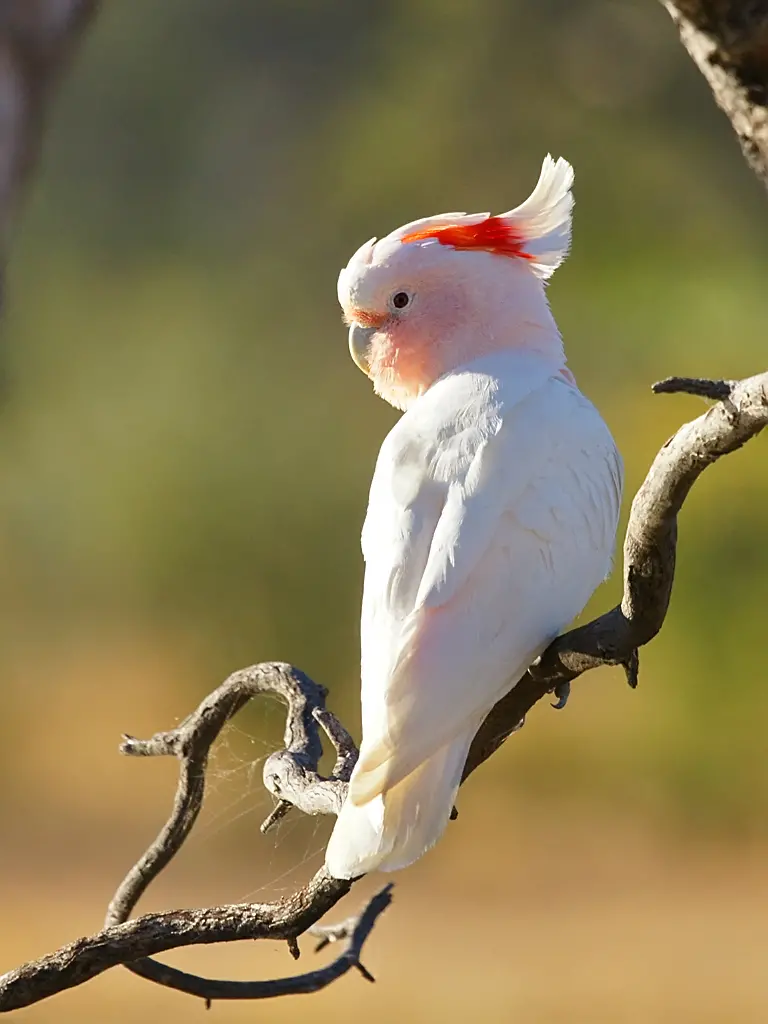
pixel 396 827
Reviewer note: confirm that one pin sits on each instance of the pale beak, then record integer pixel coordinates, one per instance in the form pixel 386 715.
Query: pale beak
pixel 359 341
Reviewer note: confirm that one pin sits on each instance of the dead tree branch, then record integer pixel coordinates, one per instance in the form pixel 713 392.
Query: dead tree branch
pixel 649 555
pixel 291 774
pixel 728 42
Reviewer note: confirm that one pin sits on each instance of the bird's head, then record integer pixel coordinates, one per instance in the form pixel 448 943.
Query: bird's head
pixel 439 292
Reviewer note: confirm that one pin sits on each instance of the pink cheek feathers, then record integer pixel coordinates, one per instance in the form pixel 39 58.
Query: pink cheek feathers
pixel 404 360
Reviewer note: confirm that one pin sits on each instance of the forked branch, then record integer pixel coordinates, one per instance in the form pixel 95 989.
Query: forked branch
pixel 291 774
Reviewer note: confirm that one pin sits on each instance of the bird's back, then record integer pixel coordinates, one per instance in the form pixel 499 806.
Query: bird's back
pixel 491 521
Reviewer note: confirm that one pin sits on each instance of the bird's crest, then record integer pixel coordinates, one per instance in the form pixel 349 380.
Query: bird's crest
pixel 494 234
pixel 539 230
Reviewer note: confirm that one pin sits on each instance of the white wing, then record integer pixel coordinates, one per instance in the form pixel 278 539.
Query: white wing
pixel 491 520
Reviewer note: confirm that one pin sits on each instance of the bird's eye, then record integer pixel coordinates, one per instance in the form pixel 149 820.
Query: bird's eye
pixel 401 299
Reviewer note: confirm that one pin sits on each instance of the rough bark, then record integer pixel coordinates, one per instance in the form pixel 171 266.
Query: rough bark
pixel 728 42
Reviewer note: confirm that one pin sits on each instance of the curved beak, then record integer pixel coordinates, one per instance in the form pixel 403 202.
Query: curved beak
pixel 359 341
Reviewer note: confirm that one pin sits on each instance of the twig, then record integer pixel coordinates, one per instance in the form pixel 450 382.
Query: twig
pixel 703 388
pixel 330 933
pixel 290 774
pixel 132 942
pixel 291 771
pixel 83 959
pixel 210 989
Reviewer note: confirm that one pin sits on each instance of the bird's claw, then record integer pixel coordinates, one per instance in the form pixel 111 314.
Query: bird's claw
pixel 562 691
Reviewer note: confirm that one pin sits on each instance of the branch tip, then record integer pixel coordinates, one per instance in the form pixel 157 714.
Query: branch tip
pixel 364 971
pixel 277 814
pixel 632 668
pixel 718 390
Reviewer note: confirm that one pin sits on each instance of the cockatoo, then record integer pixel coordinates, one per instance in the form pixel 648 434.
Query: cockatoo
pixel 493 508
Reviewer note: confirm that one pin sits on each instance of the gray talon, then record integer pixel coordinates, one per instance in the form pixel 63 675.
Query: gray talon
pixel 562 691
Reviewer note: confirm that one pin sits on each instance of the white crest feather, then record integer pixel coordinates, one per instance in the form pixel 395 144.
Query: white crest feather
pixel 544 219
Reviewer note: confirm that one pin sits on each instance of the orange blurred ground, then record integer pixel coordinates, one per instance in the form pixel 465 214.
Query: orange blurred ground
pixel 584 924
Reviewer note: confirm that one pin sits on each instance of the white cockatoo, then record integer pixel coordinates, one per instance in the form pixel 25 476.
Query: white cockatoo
pixel 493 508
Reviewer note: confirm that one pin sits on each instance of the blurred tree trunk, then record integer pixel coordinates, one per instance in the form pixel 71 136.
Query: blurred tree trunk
pixel 728 41
pixel 37 38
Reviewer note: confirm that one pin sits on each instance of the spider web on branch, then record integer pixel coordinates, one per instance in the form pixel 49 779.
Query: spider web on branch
pixel 236 803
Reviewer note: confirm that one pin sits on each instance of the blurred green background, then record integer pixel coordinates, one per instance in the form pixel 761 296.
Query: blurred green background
pixel 186 447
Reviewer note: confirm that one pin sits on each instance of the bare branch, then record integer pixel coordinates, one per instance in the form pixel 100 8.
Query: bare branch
pixel 293 769
pixel 291 774
pixel 83 959
pixel 356 931
pixel 330 933
pixel 728 42
pixel 649 557
pixel 717 390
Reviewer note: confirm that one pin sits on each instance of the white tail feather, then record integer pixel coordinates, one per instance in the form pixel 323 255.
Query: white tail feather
pixel 395 829
pixel 544 219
